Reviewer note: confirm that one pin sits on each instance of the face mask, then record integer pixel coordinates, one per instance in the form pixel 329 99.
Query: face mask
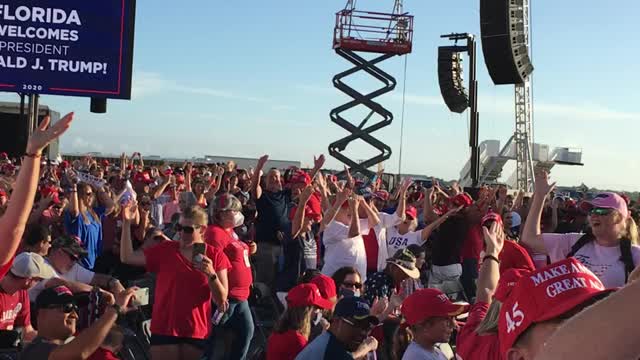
pixel 238 219
pixel 356 293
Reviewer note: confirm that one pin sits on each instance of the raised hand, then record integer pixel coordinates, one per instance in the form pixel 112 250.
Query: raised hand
pixel 129 211
pixel 502 192
pixel 319 162
pixel 44 134
pixel 262 161
pixel 406 183
pixel 379 306
pixel 542 186
pixel 493 238
pixel 306 194
pixel 350 182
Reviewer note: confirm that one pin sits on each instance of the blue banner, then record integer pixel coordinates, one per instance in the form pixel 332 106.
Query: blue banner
pixel 67 47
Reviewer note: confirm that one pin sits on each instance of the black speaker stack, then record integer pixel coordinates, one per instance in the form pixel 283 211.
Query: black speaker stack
pixel 454 93
pixel 506 54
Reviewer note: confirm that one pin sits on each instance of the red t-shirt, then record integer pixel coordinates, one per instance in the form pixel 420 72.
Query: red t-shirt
pixel 240 277
pixel 4 269
pixel 16 310
pixel 470 345
pixel 514 256
pixel 371 249
pixel 285 346
pixel 182 305
pixel 103 354
pixel 473 244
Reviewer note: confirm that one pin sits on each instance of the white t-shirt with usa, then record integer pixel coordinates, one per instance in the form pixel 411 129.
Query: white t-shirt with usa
pixel 396 241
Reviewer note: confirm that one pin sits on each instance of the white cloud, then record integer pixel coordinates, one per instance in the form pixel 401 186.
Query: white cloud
pixel 80 144
pixel 152 83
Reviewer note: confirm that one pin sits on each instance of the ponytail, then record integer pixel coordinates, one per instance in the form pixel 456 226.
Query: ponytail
pixel 401 340
pixel 631 231
pixel 489 325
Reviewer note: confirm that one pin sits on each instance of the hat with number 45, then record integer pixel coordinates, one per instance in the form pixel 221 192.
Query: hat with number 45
pixel 557 290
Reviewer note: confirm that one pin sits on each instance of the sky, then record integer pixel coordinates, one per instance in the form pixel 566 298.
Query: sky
pixel 246 78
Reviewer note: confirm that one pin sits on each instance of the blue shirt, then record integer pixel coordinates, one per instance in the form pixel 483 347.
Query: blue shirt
pixel 90 234
pixel 324 347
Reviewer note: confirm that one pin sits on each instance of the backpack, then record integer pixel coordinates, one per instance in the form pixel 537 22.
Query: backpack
pixel 625 252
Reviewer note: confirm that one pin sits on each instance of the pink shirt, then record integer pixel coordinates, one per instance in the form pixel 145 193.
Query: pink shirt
pixel 604 261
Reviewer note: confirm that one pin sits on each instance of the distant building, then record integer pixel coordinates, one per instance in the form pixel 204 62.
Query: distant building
pixel 155 160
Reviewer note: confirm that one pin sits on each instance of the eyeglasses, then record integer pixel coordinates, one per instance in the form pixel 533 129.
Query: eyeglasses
pixel 600 211
pixel 356 285
pixel 66 308
pixel 186 229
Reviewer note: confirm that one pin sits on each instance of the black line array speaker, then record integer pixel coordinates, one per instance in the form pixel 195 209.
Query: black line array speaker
pixel 450 78
pixel 506 53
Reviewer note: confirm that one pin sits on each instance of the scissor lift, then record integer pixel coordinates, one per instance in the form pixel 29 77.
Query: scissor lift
pixel 385 34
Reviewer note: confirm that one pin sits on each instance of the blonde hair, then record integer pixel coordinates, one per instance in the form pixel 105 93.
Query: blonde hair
pixel 489 325
pixel 295 318
pixel 196 214
pixel 82 208
pixel 631 231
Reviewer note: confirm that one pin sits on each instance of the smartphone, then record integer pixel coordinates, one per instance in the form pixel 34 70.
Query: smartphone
pixel 141 297
pixel 198 249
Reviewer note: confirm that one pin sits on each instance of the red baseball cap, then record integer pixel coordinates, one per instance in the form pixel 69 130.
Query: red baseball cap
pixel 427 303
pixel 105 163
pixel 326 285
pixel 307 295
pixel 411 212
pixel 300 177
pixel 544 295
pixel 142 177
pixel 507 282
pixel 463 200
pixel 64 164
pixel 492 216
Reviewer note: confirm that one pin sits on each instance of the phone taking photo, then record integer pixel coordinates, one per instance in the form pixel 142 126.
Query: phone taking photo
pixel 198 249
pixel 141 297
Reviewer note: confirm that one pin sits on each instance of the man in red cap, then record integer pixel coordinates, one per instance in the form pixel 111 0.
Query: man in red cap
pixel 431 316
pixel 540 302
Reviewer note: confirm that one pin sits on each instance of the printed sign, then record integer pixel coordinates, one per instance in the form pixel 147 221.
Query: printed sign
pixel 67 47
pixel 90 179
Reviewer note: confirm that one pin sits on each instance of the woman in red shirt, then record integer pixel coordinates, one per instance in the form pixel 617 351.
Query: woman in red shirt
pixel 185 285
pixel 291 333
pixel 226 214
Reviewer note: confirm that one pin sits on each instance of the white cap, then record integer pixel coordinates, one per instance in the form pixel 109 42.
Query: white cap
pixel 31 265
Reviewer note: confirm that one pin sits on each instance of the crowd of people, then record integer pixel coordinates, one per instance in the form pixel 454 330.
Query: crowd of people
pixel 357 268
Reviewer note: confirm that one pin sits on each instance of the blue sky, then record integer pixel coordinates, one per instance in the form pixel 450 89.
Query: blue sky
pixel 244 78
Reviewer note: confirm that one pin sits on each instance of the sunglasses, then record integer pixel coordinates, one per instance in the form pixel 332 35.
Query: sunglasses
pixel 66 308
pixel 356 285
pixel 186 229
pixel 600 211
pixel 88 194
pixel 57 208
